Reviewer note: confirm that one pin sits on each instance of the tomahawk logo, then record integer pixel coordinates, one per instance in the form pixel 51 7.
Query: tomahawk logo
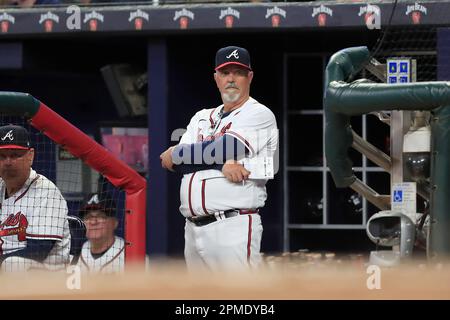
pixel 8 135
pixel 233 54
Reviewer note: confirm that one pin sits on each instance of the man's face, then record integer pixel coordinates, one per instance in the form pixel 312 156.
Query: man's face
pixel 233 82
pixel 99 226
pixel 15 162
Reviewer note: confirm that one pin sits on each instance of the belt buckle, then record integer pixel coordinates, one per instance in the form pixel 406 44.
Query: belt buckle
pixel 220 215
pixel 198 221
pixel 191 219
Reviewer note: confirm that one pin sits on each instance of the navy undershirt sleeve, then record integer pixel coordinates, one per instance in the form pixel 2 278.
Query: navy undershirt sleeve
pixel 37 250
pixel 209 152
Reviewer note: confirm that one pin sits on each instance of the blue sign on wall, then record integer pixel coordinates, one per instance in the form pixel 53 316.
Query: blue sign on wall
pixel 398 70
pixel 398 196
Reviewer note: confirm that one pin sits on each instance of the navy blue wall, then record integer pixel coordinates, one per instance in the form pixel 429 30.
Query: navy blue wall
pixel 158 227
pixel 443 54
pixel 11 55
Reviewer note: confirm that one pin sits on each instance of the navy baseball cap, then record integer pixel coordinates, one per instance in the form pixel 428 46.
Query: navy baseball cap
pixel 95 202
pixel 14 137
pixel 232 55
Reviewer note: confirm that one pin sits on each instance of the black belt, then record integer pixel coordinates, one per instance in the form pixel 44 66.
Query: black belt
pixel 204 220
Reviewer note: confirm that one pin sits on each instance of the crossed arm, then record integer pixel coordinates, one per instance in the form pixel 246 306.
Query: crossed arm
pixel 223 156
pixel 36 250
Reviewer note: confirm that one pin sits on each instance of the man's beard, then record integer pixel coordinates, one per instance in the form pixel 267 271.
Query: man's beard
pixel 230 97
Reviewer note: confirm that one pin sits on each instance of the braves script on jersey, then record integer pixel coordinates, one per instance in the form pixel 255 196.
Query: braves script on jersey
pixel 208 191
pixel 113 260
pixel 36 211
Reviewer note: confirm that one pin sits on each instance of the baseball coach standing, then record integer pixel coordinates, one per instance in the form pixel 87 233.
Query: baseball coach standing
pixel 226 158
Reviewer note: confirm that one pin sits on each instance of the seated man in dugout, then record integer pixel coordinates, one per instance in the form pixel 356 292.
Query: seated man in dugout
pixel 34 231
pixel 103 251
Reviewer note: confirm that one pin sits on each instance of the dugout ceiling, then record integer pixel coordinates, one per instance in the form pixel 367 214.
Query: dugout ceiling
pixel 165 19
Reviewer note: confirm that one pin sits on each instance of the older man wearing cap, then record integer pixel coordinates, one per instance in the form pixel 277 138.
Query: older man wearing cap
pixel 34 231
pixel 104 251
pixel 221 192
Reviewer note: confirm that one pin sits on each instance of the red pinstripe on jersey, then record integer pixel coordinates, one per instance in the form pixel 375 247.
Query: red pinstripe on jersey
pixel 210 117
pixel 190 194
pixel 237 135
pixel 29 235
pixel 249 240
pixel 203 197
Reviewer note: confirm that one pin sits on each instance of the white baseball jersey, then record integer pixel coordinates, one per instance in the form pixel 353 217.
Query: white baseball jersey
pixel 113 260
pixel 208 191
pixel 37 211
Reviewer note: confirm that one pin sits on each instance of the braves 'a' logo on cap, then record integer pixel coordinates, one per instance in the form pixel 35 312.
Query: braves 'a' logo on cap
pixel 234 54
pixel 94 199
pixel 8 135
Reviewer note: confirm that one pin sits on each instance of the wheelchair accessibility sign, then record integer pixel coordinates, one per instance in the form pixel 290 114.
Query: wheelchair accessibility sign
pixel 398 195
pixel 403 197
